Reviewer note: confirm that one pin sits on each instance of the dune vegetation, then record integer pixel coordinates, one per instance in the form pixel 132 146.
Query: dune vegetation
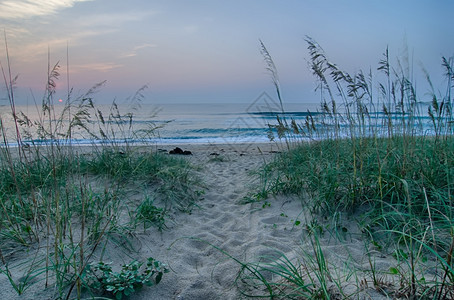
pixel 382 155
pixel 62 204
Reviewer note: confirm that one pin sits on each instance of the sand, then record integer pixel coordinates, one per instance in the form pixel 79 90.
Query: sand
pixel 245 231
pixel 199 271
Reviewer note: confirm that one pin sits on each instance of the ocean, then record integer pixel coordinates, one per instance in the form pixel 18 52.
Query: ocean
pixel 175 124
pixel 223 123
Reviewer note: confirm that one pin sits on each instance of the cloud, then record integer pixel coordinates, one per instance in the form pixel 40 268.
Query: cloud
pixel 22 9
pixel 113 19
pixel 38 49
pixel 96 67
pixel 15 32
pixel 134 51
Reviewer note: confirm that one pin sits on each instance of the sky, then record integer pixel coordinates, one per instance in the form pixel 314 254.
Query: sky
pixel 209 51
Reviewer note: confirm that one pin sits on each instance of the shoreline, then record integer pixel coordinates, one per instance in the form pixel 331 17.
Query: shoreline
pixel 273 147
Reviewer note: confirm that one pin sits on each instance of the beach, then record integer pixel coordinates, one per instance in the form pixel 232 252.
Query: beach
pixel 204 249
pixel 198 150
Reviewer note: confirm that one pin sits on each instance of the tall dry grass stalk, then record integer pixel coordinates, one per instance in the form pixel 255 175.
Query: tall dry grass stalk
pixel 379 147
pixel 50 196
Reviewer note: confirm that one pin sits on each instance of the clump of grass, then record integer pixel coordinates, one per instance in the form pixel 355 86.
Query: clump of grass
pixel 148 214
pixel 280 277
pixel 176 185
pixel 382 154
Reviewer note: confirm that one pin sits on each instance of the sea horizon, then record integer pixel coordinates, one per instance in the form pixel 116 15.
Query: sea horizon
pixel 183 123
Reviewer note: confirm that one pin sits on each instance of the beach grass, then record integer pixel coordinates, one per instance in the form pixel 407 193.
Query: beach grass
pixel 384 161
pixel 62 204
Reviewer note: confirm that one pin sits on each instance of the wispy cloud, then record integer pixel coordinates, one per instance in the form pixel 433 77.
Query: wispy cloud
pixel 14 31
pixel 134 51
pixel 96 67
pixel 113 19
pixel 36 50
pixel 20 9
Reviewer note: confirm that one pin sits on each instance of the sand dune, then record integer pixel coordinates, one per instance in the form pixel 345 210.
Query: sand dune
pixel 193 244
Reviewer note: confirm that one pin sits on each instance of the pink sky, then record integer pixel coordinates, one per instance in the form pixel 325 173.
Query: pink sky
pixel 204 51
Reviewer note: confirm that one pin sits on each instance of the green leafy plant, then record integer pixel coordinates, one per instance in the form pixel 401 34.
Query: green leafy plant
pixel 148 214
pixel 133 276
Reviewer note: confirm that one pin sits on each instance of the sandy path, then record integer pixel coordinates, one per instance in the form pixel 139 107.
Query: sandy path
pixel 199 271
